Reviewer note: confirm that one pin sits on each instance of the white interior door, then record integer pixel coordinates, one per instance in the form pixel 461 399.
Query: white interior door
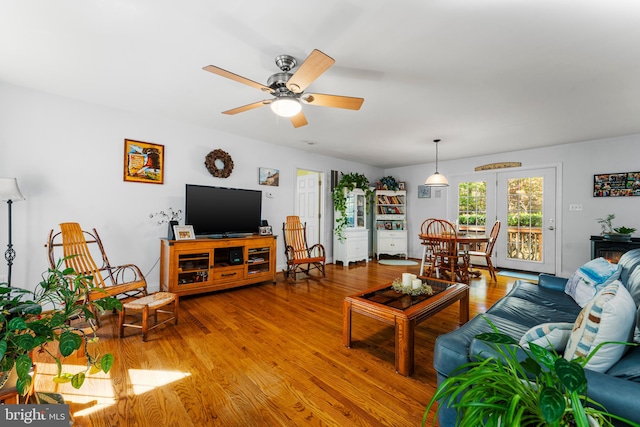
pixel 308 203
pixel 526 206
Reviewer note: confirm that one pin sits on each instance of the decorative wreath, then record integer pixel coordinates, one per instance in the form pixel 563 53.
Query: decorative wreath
pixel 224 157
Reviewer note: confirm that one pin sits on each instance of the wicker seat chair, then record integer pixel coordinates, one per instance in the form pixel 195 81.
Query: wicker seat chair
pixel 78 250
pixel 300 257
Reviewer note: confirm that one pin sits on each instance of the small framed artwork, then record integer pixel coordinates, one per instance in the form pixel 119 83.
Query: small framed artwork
pixel 184 232
pixel 402 186
pixel 268 176
pixel 424 192
pixel 143 162
pixel 266 230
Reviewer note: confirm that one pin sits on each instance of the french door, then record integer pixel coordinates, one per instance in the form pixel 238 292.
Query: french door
pixel 527 209
pixel 524 201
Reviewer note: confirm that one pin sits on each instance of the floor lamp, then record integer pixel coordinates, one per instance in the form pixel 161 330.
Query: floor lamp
pixel 10 193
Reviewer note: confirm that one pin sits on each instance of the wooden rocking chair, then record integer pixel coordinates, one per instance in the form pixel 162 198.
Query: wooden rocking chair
pixel 300 257
pixel 77 245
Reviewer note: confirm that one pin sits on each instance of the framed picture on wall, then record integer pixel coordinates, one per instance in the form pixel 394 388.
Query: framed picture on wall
pixel 619 184
pixel 268 176
pixel 143 162
pixel 424 192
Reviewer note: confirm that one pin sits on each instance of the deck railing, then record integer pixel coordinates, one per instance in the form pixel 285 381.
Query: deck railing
pixel 524 244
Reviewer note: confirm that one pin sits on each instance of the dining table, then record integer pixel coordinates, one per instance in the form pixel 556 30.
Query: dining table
pixel 465 242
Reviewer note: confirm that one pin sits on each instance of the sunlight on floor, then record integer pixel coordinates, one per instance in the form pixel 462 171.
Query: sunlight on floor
pixel 99 390
pixel 144 380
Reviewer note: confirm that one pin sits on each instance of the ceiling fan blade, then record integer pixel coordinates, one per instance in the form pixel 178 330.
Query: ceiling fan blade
pixel 312 67
pixel 299 120
pixel 248 107
pixel 228 74
pixel 335 101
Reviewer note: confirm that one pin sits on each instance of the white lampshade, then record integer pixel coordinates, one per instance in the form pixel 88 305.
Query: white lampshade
pixel 437 180
pixel 286 106
pixel 9 190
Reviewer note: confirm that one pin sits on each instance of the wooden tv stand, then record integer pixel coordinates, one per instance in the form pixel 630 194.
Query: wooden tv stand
pixel 203 265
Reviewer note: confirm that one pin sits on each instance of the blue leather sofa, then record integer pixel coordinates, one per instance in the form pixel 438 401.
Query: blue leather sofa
pixel 527 305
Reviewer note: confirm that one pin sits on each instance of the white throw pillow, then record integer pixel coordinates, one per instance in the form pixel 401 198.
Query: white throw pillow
pixel 610 316
pixel 583 285
pixel 553 336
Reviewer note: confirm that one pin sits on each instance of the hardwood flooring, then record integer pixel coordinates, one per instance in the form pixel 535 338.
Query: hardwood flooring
pixel 266 355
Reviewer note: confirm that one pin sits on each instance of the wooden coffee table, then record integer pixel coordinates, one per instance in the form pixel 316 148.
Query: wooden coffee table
pixel 405 312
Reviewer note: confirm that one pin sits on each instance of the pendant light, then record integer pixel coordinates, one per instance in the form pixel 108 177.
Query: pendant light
pixel 437 180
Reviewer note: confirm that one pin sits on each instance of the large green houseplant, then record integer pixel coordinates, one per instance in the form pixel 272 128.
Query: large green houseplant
pixel 514 386
pixel 51 313
pixel 348 182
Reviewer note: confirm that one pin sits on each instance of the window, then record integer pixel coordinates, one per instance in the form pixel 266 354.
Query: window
pixel 472 207
pixel 524 218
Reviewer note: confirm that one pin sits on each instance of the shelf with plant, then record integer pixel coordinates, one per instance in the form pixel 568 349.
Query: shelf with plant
pixel 610 232
pixel 52 313
pixel 348 182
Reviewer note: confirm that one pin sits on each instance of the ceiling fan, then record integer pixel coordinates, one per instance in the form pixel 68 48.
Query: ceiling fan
pixel 288 89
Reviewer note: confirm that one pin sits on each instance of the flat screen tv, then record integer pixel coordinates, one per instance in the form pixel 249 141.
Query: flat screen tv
pixel 221 211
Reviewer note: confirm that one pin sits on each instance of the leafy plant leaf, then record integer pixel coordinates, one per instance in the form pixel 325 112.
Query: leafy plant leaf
pixel 552 404
pixel 531 366
pixel 496 338
pixel 25 341
pixel 23 365
pixel 571 375
pixel 23 385
pixel 17 324
pixel 77 380
pixel 106 362
pixel 543 355
pixel 69 342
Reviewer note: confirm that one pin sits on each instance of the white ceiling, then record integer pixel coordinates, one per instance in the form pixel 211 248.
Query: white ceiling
pixel 485 76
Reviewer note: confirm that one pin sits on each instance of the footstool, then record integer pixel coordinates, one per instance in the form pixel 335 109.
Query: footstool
pixel 154 302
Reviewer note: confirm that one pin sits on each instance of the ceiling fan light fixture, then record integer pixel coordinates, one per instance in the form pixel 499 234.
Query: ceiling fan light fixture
pixel 437 179
pixel 286 106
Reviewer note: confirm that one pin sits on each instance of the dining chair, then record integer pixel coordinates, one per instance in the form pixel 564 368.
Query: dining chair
pixel 488 250
pixel 442 239
pixel 427 258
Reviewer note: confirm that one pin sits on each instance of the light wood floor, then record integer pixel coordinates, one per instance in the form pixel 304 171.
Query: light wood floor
pixel 267 355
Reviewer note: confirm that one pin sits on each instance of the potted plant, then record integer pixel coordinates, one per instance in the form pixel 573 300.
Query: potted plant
pixel 389 183
pixel 512 385
pixel 170 218
pixel 348 182
pixel 29 321
pixel 614 233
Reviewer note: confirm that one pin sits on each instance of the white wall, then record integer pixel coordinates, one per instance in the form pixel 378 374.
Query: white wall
pixel 68 159
pixel 68 155
pixel 580 161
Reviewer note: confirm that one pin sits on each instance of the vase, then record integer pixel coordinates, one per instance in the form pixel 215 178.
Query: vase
pixel 170 234
pixel 617 237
